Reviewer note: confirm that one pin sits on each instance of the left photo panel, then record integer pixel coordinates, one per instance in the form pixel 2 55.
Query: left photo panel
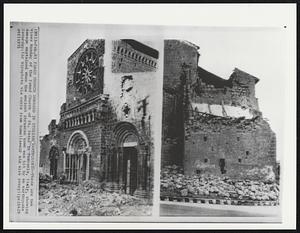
pixel 96 105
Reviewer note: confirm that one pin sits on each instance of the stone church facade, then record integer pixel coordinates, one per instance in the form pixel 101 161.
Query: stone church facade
pixel 105 128
pixel 210 124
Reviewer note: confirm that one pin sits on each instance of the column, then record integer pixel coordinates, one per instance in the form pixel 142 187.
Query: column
pixel 69 166
pixel 87 176
pixel 73 167
pixel 76 167
pixel 120 166
pixel 117 167
pixel 64 163
pixel 80 167
pixel 108 158
pixel 142 169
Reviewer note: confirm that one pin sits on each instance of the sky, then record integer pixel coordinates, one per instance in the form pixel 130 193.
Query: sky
pixel 258 51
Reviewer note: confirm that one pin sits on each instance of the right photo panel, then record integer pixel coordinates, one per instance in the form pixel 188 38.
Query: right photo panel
pixel 221 130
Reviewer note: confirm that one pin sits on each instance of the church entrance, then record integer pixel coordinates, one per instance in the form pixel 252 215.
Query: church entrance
pixel 128 163
pixel 130 169
pixel 77 158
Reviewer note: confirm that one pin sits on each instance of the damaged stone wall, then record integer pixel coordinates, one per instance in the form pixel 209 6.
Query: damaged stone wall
pixel 122 98
pixel 177 56
pixel 93 133
pixel 238 90
pixel 222 125
pixel 132 88
pixel 244 144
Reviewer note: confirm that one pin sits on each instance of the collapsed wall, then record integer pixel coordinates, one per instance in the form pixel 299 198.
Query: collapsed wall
pixel 229 146
pixel 210 124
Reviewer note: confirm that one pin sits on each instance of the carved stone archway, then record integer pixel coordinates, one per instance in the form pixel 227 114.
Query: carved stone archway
pixel 127 162
pixel 77 158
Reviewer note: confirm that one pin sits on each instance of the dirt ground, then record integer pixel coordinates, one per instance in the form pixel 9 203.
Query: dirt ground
pixel 83 200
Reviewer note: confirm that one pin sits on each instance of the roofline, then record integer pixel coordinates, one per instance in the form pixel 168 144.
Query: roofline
pixel 191 44
pixel 143 48
pixel 72 55
pixel 238 70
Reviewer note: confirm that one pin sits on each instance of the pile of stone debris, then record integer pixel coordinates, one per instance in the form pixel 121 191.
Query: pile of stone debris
pixel 175 184
pixel 88 199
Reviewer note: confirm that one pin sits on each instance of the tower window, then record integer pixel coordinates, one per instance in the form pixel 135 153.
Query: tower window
pixel 205 160
pixel 247 152
pixel 205 138
pixel 240 160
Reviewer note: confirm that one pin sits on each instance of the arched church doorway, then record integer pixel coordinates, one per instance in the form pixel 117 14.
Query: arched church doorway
pixel 127 164
pixel 77 158
pixel 53 157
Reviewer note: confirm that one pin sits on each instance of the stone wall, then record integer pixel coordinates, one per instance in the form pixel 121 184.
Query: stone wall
pixel 129 56
pixel 238 90
pixel 127 97
pixel 133 90
pixel 243 143
pixel 207 118
pixel 93 132
pixel 177 56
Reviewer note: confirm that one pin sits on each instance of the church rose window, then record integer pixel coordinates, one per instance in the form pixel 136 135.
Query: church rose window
pixel 85 75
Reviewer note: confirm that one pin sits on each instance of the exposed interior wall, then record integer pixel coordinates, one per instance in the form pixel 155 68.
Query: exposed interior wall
pixel 221 118
pixel 243 143
pixel 238 90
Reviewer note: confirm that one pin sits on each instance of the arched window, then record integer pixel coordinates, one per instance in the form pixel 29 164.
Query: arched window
pixel 53 157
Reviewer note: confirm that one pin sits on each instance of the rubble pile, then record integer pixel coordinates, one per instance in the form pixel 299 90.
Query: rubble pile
pixel 44 178
pixel 175 183
pixel 88 199
pixel 205 121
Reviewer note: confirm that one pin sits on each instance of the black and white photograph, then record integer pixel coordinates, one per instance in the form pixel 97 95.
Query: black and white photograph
pixel 96 117
pixel 221 129
pixel 118 117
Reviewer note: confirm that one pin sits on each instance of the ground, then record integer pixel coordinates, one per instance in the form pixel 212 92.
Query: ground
pixel 86 200
pixel 174 183
pixel 209 210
